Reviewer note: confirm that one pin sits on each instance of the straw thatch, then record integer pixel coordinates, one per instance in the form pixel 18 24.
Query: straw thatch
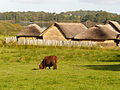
pixel 99 32
pixel 30 30
pixel 69 30
pixel 115 25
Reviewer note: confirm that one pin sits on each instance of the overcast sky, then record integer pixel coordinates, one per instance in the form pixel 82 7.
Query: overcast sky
pixel 59 5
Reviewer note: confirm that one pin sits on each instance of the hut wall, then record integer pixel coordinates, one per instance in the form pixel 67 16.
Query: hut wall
pixel 53 34
pixel 31 38
pixel 109 41
pixel 105 41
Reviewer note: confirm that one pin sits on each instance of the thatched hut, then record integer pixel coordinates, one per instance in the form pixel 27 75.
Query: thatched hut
pixel 115 25
pixel 63 31
pixel 100 33
pixel 31 31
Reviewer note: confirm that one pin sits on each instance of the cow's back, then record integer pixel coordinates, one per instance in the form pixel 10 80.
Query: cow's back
pixel 50 60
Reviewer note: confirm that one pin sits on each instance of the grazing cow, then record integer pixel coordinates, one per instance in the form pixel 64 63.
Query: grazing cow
pixel 49 61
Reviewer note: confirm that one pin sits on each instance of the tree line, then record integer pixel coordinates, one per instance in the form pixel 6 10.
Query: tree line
pixel 71 16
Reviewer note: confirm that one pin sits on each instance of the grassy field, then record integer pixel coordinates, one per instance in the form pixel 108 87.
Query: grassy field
pixel 78 68
pixel 7 28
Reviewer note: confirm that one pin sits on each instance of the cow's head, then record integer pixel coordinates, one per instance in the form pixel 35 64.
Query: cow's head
pixel 41 66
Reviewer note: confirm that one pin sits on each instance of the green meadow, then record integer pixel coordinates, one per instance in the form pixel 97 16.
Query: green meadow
pixel 79 68
pixel 7 28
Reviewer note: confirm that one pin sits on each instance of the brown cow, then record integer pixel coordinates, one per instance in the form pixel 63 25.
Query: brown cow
pixel 49 61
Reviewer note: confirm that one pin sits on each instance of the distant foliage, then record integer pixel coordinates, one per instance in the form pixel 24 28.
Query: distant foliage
pixel 71 16
pixel 89 23
pixel 7 28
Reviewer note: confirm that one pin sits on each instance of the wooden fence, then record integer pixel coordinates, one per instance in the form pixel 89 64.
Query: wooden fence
pixel 49 42
pixel 10 39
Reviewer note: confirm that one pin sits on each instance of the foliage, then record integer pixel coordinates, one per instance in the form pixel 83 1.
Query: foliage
pixel 71 16
pixel 78 68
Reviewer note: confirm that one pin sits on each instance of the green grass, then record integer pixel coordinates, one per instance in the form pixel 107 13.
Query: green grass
pixel 78 68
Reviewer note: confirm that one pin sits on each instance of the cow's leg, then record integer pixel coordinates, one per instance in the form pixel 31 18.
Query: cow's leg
pixel 54 66
pixel 49 67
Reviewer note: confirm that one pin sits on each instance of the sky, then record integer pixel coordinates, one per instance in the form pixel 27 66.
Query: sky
pixel 60 5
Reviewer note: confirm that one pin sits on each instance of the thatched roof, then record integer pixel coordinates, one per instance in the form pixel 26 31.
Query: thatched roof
pixel 115 25
pixel 99 32
pixel 69 30
pixel 30 30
